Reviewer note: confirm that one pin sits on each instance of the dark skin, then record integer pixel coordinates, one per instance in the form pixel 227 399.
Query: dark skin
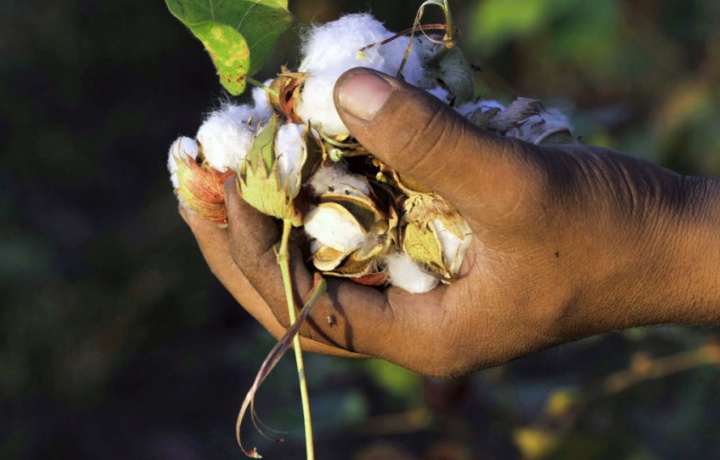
pixel 569 242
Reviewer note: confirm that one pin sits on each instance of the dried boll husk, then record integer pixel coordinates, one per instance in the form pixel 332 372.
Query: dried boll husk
pixel 286 90
pixel 272 173
pixel 432 232
pixel 449 67
pixel 352 232
pixel 527 119
pixel 435 235
pixel 197 185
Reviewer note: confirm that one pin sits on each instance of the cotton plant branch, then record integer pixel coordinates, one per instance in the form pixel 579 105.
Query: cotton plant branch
pixel 291 337
pixel 283 258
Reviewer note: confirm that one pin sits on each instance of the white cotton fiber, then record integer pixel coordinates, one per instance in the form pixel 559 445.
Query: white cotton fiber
pixel 226 137
pixel 333 48
pixel 454 248
pixel 441 93
pixel 331 227
pixel 318 107
pixel 483 104
pixel 290 154
pixel 336 179
pixel 406 274
pixel 263 110
pixel 182 147
pixel 413 72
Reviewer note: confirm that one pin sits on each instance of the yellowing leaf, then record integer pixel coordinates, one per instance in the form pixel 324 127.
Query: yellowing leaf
pixel 233 32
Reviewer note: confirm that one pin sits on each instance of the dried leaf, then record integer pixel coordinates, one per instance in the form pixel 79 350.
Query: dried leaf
pixel 200 187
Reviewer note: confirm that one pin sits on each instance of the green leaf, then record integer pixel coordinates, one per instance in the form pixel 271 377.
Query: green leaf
pixel 262 151
pixel 238 34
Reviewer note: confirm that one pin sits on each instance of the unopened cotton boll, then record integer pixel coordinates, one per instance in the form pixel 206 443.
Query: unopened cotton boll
pixel 183 146
pixel 331 227
pixel 453 248
pixel 407 275
pixel 290 151
pixel 226 137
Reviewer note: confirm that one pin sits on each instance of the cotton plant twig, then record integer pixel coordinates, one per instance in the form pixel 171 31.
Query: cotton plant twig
pixel 283 258
pixel 290 337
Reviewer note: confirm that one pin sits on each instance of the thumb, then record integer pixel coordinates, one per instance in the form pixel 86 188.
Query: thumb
pixel 429 142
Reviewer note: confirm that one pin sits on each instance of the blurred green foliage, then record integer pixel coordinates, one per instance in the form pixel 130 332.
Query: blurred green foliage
pixel 117 342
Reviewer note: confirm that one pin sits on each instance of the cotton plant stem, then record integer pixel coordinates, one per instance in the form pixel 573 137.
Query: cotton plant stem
pixel 284 262
pixel 266 88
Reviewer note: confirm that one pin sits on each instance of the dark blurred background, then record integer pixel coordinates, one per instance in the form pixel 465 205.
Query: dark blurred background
pixel 116 342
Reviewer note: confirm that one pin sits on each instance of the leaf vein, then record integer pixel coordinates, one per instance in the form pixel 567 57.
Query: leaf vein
pixel 242 19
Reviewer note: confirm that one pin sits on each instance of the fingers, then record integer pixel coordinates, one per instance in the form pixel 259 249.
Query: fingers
pixel 214 245
pixel 425 139
pixel 213 242
pixel 394 325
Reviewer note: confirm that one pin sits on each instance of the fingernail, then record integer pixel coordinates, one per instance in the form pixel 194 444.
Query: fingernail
pixel 363 94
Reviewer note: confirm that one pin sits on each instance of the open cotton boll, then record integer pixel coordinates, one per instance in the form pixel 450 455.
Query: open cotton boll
pixel 263 110
pixel 318 107
pixel 330 226
pixel 413 72
pixel 336 179
pixel 335 45
pixel 290 152
pixel 331 49
pixel 453 248
pixel 226 137
pixel 406 274
pixel 441 93
pixel 483 105
pixel 182 146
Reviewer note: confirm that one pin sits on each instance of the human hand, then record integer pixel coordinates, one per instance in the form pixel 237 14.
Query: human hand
pixel 568 241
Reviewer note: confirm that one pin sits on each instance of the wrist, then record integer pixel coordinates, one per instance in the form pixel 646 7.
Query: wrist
pixel 695 264
pixel 652 260
pixel 674 270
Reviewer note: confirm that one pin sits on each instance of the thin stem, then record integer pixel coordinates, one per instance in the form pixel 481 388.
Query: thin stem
pixel 266 88
pixel 284 262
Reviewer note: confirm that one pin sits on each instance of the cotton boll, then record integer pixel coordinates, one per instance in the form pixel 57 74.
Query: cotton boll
pixel 336 179
pixel 454 248
pixel 318 107
pixel 555 121
pixel 329 50
pixel 226 137
pixel 407 275
pixel 290 152
pixel 335 45
pixel 441 93
pixel 413 72
pixel 263 110
pixel 330 225
pixel 183 146
pixel 483 105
